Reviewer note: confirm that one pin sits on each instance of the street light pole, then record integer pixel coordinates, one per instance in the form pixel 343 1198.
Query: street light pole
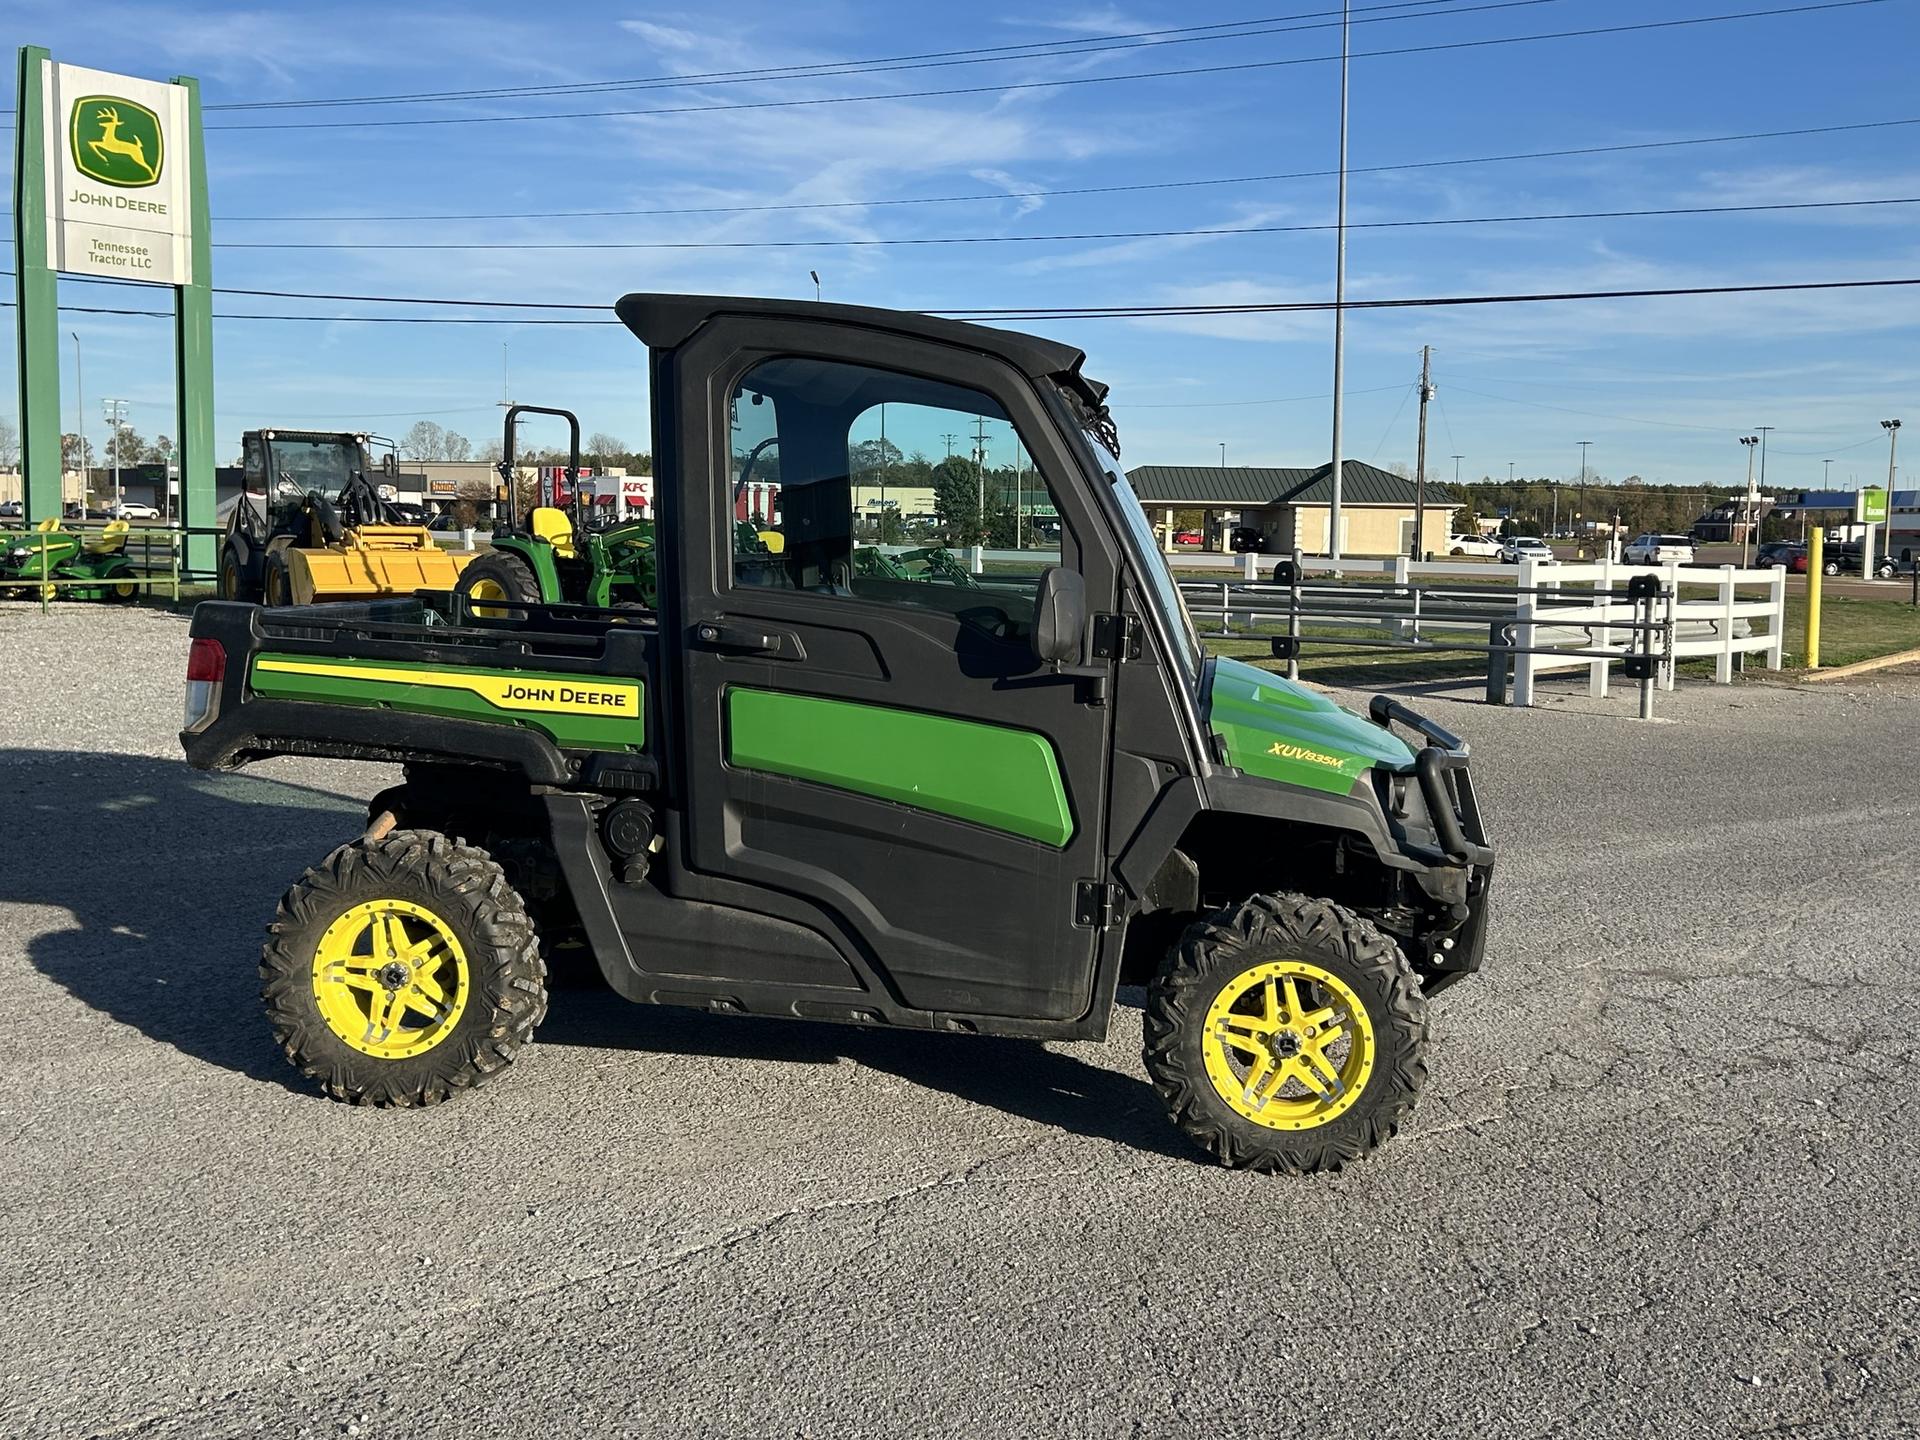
pixel 1892 427
pixel 80 418
pixel 1339 298
pixel 116 413
pixel 1748 442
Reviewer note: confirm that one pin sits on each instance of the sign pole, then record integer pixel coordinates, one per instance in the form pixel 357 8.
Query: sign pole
pixel 37 295
pixel 193 358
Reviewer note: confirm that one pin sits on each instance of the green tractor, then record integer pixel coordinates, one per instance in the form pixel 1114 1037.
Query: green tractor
pixel 92 567
pixel 551 557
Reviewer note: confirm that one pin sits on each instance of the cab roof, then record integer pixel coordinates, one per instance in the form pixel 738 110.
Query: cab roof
pixel 665 321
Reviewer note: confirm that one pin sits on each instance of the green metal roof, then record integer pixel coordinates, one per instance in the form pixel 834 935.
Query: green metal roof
pixel 1253 487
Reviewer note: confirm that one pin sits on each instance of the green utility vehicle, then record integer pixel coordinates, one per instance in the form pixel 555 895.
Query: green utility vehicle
pixel 800 789
pixel 552 555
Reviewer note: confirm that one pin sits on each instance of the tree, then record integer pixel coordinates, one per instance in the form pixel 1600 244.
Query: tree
pixel 76 453
pixel 158 452
pixel 956 500
pixel 124 447
pixel 9 446
pixel 427 441
pixel 604 450
pixel 874 460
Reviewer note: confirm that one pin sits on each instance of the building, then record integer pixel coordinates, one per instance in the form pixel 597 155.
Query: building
pixel 1291 506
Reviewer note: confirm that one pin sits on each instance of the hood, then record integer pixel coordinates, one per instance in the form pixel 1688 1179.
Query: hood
pixel 1278 730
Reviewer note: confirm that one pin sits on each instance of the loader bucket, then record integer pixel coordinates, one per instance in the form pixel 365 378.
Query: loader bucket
pixel 376 560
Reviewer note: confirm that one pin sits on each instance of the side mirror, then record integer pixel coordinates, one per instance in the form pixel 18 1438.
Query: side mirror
pixel 1060 615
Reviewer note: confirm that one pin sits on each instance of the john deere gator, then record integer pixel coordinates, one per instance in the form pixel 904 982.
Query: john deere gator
pixel 821 791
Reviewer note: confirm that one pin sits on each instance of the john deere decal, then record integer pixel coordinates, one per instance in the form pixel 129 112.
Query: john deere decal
pixel 117 142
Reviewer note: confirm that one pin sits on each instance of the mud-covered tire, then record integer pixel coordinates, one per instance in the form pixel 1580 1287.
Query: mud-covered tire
pixel 504 979
pixel 498 575
pixel 1218 952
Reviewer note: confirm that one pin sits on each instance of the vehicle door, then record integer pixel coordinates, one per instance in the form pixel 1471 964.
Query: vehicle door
pixel 867 732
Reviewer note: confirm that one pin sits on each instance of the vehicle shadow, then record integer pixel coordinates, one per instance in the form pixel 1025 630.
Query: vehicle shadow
pixel 156 882
pixel 1021 1077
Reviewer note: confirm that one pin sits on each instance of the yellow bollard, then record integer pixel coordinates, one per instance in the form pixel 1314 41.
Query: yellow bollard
pixel 1814 577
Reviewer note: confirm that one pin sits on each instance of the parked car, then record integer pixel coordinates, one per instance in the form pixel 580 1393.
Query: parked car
pixel 1186 537
pixel 1788 555
pixel 134 510
pixel 12 510
pixel 1246 540
pixel 408 514
pixel 1483 547
pixel 1527 547
pixel 1653 549
pixel 1844 557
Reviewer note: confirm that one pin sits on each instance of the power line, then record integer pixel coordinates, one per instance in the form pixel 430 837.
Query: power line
pixel 1034 239
pixel 1114 312
pixel 1063 83
pixel 1237 404
pixel 925 60
pixel 995 195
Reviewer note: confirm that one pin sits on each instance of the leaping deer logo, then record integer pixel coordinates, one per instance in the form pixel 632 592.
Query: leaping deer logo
pixel 117 142
pixel 110 142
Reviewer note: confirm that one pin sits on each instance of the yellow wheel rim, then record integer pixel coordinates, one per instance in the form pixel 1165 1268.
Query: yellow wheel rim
pixel 482 591
pixel 1288 1045
pixel 391 979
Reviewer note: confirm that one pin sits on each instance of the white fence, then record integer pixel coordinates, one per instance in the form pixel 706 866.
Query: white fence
pixel 1580 607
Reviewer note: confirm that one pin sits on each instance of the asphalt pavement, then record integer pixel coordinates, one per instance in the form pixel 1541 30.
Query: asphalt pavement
pixel 1662 1180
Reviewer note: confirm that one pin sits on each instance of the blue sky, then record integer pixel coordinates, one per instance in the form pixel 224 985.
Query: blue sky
pixel 1662 387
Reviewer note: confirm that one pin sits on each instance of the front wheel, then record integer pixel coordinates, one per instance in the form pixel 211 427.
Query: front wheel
pixel 1287 1034
pixel 402 971
pixel 276 581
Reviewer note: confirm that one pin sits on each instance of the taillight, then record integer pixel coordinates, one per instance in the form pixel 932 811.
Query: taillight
pixel 206 668
pixel 206 660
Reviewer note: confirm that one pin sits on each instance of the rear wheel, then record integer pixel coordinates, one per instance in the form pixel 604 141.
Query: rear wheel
pixel 1287 1034
pixel 120 588
pixel 498 576
pixel 402 971
pixel 233 576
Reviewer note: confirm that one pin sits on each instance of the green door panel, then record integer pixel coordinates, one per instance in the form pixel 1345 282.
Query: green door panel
pixel 580 711
pixel 1278 730
pixel 1003 779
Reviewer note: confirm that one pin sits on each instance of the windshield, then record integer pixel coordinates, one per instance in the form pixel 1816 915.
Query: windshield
pixel 1153 565
pixel 322 467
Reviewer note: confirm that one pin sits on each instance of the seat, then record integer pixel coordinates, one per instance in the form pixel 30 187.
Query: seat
pixel 555 528
pixel 109 541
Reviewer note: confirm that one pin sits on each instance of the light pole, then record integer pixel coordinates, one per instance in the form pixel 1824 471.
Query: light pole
pixel 1223 454
pixel 816 285
pixel 80 418
pixel 1748 442
pixel 1339 300
pixel 116 413
pixel 1892 427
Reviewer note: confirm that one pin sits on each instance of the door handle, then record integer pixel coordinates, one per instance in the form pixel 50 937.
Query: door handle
pixel 743 640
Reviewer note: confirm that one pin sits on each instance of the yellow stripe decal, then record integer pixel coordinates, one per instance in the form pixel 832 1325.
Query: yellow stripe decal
pixel 544 696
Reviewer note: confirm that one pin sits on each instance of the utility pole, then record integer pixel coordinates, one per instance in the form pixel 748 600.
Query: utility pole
pixel 1420 458
pixel 1339 298
pixel 980 474
pixel 949 439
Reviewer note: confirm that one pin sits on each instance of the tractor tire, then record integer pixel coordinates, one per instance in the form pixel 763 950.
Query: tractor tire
pixel 276 582
pixel 402 971
pixel 119 588
pixel 1287 1034
pixel 233 577
pixel 498 576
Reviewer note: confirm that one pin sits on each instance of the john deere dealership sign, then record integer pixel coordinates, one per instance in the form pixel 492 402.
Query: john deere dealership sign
pixel 118 176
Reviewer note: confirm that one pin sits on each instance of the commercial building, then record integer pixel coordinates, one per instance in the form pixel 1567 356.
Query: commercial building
pixel 1291 507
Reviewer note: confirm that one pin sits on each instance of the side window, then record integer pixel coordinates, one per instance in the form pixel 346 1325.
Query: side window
pixel 858 483
pixel 254 463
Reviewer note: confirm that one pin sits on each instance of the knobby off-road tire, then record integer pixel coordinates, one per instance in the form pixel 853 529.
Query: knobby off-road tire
pixel 276 581
pixel 403 971
pixel 498 576
pixel 1262 1101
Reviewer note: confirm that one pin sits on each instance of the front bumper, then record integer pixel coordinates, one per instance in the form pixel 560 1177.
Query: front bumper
pixel 1447 833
